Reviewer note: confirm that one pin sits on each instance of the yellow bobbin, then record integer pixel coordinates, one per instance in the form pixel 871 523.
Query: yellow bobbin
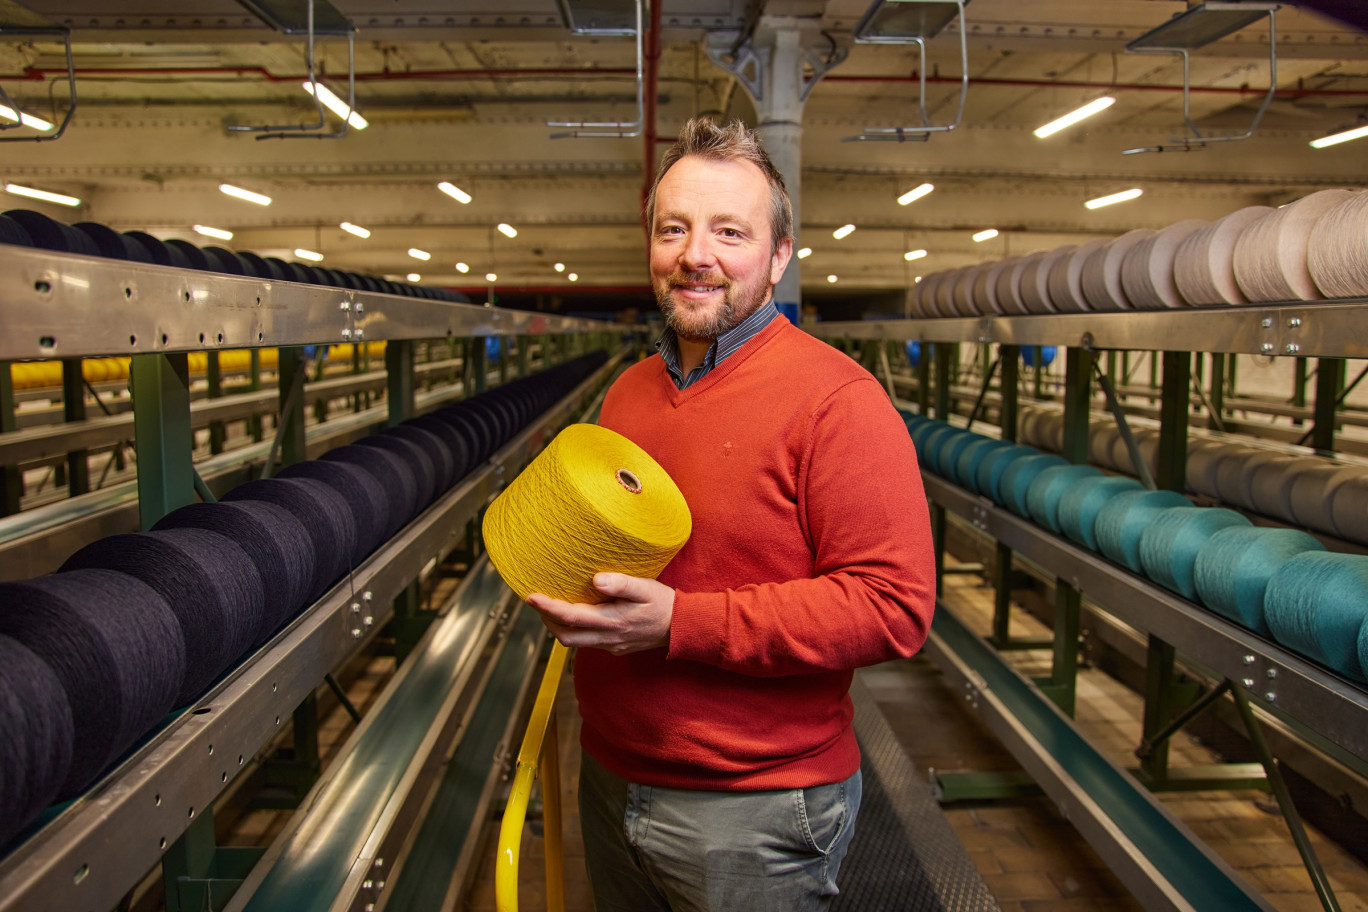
pixel 591 501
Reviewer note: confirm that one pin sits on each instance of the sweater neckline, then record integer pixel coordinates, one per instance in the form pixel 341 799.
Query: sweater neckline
pixel 722 371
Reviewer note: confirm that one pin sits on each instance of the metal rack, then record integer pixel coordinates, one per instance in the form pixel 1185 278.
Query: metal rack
pixel 1033 718
pixel 155 807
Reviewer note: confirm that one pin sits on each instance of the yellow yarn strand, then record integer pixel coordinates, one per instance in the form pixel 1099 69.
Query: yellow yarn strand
pixel 592 501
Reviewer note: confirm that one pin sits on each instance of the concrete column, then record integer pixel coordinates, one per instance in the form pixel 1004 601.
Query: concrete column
pixel 770 65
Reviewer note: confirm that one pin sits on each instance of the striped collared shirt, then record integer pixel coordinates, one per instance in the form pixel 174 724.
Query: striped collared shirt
pixel 722 348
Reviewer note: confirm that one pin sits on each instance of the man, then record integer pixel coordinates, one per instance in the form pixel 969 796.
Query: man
pixel 720 769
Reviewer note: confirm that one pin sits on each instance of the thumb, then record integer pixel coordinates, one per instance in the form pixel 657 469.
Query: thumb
pixel 619 586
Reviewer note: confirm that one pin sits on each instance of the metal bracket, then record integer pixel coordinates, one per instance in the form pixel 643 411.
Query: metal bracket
pixel 750 65
pixel 923 132
pixel 71 88
pixel 313 130
pixel 615 129
pixel 1196 140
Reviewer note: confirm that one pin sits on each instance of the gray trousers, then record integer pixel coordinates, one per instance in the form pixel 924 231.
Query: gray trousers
pixel 652 849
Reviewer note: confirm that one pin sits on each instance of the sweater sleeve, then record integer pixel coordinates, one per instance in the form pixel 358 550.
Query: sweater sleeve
pixel 872 592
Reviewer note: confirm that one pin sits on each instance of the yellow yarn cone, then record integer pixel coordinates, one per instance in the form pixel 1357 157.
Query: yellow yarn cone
pixel 591 501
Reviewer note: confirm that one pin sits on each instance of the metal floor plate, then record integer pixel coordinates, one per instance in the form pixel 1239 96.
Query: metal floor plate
pixel 905 855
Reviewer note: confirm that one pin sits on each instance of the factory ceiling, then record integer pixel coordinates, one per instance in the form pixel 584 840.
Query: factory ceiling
pixel 170 95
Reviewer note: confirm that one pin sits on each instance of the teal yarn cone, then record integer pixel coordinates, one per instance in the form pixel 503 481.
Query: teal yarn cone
pixel 1173 537
pixel 991 469
pixel 947 454
pixel 1363 650
pixel 1317 603
pixel 1017 478
pixel 1083 500
pixel 1234 566
pixel 929 443
pixel 1045 492
pixel 972 456
pixel 1123 519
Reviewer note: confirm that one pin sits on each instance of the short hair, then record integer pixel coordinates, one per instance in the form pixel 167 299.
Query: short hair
pixel 705 139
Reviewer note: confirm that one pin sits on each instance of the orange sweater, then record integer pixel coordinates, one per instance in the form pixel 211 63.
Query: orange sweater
pixel 810 557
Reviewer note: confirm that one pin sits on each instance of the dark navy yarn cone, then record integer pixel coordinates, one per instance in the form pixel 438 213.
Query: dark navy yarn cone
pixel 35 751
pixel 443 465
pixel 456 443
pixel 117 649
pixel 325 515
pixel 362 492
pixel 208 580
pixel 277 543
pixel 392 473
pixel 424 473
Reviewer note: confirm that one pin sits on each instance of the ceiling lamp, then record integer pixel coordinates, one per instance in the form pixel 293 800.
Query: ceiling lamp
pixel 312 256
pixel 987 234
pixel 355 229
pixel 27 120
pixel 1113 198
pixel 574 277
pixel 914 255
pixel 1073 117
pixel 805 253
pixel 491 277
pixel 336 105
pixel 414 277
pixel 250 196
pixel 221 233
pixel 559 267
pixel 843 232
pixel 419 254
pixel 507 230
pixel 832 279
pixel 48 196
pixel 462 268
pixel 454 192
pixel 915 194
pixel 1334 139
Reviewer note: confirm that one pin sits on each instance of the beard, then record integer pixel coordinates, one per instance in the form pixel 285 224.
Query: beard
pixel 705 323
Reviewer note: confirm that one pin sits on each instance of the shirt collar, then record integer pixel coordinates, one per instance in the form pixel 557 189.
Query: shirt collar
pixel 722 348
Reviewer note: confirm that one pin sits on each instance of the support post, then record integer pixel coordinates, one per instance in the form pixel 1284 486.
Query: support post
pixel 73 409
pixel 162 435
pixel 1329 382
pixel 399 380
pixel 11 479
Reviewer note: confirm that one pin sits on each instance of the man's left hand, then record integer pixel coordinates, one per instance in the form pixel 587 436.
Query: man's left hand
pixel 636 616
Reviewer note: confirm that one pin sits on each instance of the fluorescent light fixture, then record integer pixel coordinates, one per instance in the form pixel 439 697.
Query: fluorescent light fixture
pixel 355 229
pixel 48 196
pixel 916 279
pixel 831 279
pixel 454 192
pixel 915 194
pixel 419 254
pixel 574 277
pixel 337 106
pixel 462 268
pixel 987 234
pixel 1114 198
pixel 491 277
pixel 507 230
pixel 559 267
pixel 914 255
pixel 313 256
pixel 414 277
pixel 805 253
pixel 221 233
pixel 27 120
pixel 843 232
pixel 1334 139
pixel 1073 117
pixel 249 195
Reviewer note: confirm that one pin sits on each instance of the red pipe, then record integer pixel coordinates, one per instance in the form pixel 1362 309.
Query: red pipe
pixel 648 131
pixel 653 71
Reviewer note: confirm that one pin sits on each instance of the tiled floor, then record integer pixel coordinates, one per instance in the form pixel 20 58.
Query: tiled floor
pixel 1032 859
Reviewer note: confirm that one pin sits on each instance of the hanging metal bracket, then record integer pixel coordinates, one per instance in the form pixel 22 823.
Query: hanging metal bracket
pixel 1197 27
pixel 18 112
pixel 338 26
pixel 616 129
pixel 916 22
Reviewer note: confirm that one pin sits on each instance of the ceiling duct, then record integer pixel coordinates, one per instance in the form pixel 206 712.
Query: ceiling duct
pixel 607 18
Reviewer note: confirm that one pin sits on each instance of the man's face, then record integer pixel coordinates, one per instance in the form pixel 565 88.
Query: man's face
pixel 712 263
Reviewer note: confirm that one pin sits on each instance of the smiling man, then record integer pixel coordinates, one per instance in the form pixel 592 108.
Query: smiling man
pixel 720 768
